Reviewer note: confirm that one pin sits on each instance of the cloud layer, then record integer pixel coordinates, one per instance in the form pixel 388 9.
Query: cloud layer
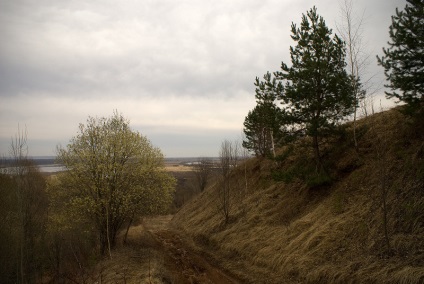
pixel 181 71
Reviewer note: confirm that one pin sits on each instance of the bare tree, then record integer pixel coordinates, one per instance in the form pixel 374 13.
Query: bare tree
pixel 358 59
pixel 202 172
pixel 31 209
pixel 18 152
pixel 351 32
pixel 228 156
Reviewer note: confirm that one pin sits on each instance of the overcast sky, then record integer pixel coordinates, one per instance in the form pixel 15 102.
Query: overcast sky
pixel 182 72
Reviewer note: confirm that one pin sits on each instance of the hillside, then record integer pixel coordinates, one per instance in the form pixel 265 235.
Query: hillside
pixel 289 226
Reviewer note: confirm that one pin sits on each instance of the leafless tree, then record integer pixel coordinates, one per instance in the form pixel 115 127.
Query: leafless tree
pixel 358 59
pixel 202 171
pixel 18 152
pixel 228 156
pixel 31 205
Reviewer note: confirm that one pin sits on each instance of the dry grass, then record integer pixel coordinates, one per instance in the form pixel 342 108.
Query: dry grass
pixel 139 261
pixel 286 232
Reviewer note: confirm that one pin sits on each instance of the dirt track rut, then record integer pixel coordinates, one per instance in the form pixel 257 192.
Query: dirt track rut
pixel 183 263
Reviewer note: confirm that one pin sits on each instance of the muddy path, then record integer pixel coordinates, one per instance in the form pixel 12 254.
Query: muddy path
pixel 182 263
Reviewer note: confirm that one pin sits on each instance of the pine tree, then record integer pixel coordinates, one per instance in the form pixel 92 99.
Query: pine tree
pixel 263 124
pixel 318 92
pixel 403 61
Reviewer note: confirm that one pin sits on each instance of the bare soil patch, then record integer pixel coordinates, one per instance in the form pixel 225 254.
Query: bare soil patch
pixel 154 253
pixel 181 262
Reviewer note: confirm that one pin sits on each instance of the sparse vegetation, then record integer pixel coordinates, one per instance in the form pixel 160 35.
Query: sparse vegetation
pixel 330 234
pixel 351 30
pixel 203 172
pixel 23 209
pixel 356 215
pixel 228 156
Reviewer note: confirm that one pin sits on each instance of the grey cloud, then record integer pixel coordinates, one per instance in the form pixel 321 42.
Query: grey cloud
pixel 70 48
pixel 135 55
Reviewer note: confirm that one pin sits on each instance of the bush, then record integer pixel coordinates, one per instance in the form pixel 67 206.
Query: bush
pixel 318 180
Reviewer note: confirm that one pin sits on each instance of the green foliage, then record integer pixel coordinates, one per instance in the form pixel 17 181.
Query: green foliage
pixel 306 172
pixel 113 174
pixel 284 176
pixel 287 152
pixel 263 125
pixel 317 92
pixel 299 167
pixel 403 61
pixel 315 180
pixel 71 236
pixel 260 125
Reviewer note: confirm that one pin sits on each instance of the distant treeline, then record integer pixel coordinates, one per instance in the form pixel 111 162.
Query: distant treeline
pixel 37 161
pixel 40 161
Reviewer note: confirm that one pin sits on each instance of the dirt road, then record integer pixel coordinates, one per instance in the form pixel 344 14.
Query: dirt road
pixel 182 263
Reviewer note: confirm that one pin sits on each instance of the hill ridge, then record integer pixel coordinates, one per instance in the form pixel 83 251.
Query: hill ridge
pixel 286 226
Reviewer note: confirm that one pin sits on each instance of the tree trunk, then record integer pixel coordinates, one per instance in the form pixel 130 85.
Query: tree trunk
pixel 103 242
pixel 272 144
pixel 108 231
pixel 317 154
pixel 128 228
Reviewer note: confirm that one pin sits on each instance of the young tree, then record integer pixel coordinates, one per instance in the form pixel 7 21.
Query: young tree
pixel 403 61
pixel 257 133
pixel 228 156
pixel 69 237
pixel 9 237
pixel 318 92
pixel 263 124
pixel 202 172
pixel 113 174
pixel 26 214
pixel 351 32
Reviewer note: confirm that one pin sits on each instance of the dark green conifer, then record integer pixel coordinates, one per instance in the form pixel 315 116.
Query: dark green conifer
pixel 317 93
pixel 403 60
pixel 262 125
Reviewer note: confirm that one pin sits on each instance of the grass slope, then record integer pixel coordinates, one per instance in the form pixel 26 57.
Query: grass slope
pixel 288 226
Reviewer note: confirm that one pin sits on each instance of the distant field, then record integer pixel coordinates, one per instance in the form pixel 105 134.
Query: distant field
pixel 49 165
pixel 178 168
pixel 184 164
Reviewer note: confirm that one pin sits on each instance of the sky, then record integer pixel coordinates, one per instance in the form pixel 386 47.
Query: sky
pixel 181 72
